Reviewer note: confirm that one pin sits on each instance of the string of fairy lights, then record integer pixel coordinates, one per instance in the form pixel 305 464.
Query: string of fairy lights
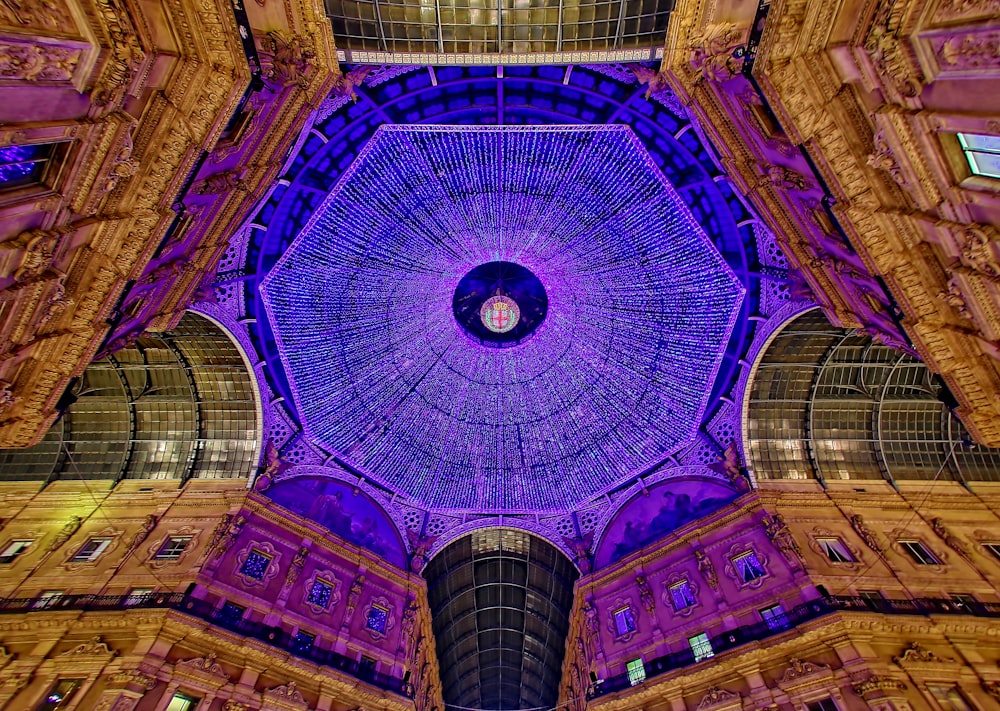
pixel 640 310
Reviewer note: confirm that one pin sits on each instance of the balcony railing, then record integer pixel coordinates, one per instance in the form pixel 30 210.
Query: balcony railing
pixel 796 616
pixel 204 610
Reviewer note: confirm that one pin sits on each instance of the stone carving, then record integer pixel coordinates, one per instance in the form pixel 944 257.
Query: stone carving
pixel 977 252
pixel 148 524
pixel 581 550
pixel 288 691
pixel 963 6
pixel 347 84
pixel 654 81
pixel 798 669
pixel 95 647
pixel 232 533
pixel 295 567
pixel 866 534
pixel 37 62
pixel 7 397
pixel 954 297
pixel 707 570
pixel 715 696
pixel 731 467
pixel 952 541
pixel 354 595
pixel 235 706
pixel 127 56
pixel 590 619
pixel 992 688
pixel 784 178
pixel 122 166
pixel 56 304
pixel 421 546
pixel 972 51
pixel 290 60
pixel 645 593
pixel 207 664
pixel 886 52
pixel 882 158
pixel 781 537
pixel 65 533
pixel 133 677
pixel 917 653
pixel 713 53
pixel 219 531
pixel 409 621
pixel 877 683
pixel 37 13
pixel 38 250
pixel 222 182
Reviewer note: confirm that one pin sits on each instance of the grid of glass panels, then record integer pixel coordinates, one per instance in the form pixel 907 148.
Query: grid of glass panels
pixel 830 404
pixel 982 152
pixel 500 600
pixel 508 26
pixel 175 405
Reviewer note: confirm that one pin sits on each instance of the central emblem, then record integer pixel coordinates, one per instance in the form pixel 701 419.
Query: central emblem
pixel 499 313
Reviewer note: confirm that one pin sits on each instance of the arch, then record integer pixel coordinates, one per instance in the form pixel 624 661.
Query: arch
pixel 830 403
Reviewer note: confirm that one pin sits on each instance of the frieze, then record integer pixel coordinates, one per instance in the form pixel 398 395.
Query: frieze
pixel 29 61
pixel 96 647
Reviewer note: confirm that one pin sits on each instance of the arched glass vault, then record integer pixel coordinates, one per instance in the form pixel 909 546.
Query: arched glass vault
pixel 500 600
pixel 829 403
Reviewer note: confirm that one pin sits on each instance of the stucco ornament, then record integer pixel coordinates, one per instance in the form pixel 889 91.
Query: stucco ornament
pixel 713 53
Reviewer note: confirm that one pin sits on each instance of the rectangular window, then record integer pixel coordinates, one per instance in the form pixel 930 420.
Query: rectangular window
pixel 775 618
pixel 24 165
pixel 256 564
pixel 681 595
pixel 918 551
pixel 982 152
pixel 91 550
pixel 873 596
pixel 182 702
pixel 59 695
pixel 624 621
pixel 378 618
pixel 12 550
pixel 822 705
pixel 366 668
pixel 320 593
pixel 230 614
pixel 949 697
pixel 835 550
pixel 636 671
pixel 137 596
pixel 302 642
pixel 48 598
pixel 701 647
pixel 748 567
pixel 172 548
pixel 993 548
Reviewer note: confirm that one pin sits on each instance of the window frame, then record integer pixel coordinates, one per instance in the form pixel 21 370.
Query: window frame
pixel 636 671
pixel 949 688
pixel 835 545
pixel 45 704
pixel 384 609
pixel 103 543
pixel 701 646
pixel 993 548
pixel 7 557
pixel 918 552
pixel 320 581
pixel 690 599
pixel 47 598
pixel 969 150
pixel 49 182
pixel 777 614
pixel 168 551
pixel 823 704
pixel 255 550
pixel 626 615
pixel 192 702
pixel 749 555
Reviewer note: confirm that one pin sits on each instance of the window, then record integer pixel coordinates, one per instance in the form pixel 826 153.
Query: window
pixel 172 548
pixel 949 697
pixel 137 596
pixel 701 647
pixel 624 621
pixel 822 705
pixel 963 601
pixel 378 617
pixel 59 695
pixel 636 671
pixel 982 152
pixel 24 165
pixel 182 702
pixel 366 668
pixel 748 567
pixel 302 642
pixel 48 598
pixel 13 550
pixel 835 550
pixel 230 614
pixel 320 593
pixel 681 595
pixel 256 564
pixel 873 596
pixel 775 618
pixel 993 548
pixel 918 551
pixel 91 550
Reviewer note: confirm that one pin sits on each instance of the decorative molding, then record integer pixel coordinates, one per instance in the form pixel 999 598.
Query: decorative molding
pixel 621 603
pixel 267 549
pixel 390 621
pixel 798 669
pixel 133 677
pixel 917 653
pixel 717 697
pixel 674 577
pixel 874 683
pixel 205 665
pixel 188 551
pixel 96 647
pixel 330 577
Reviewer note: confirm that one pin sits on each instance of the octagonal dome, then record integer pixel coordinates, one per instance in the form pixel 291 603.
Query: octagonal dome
pixel 614 380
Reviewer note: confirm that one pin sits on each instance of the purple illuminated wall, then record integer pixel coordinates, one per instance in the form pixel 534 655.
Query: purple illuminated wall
pixel 616 379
